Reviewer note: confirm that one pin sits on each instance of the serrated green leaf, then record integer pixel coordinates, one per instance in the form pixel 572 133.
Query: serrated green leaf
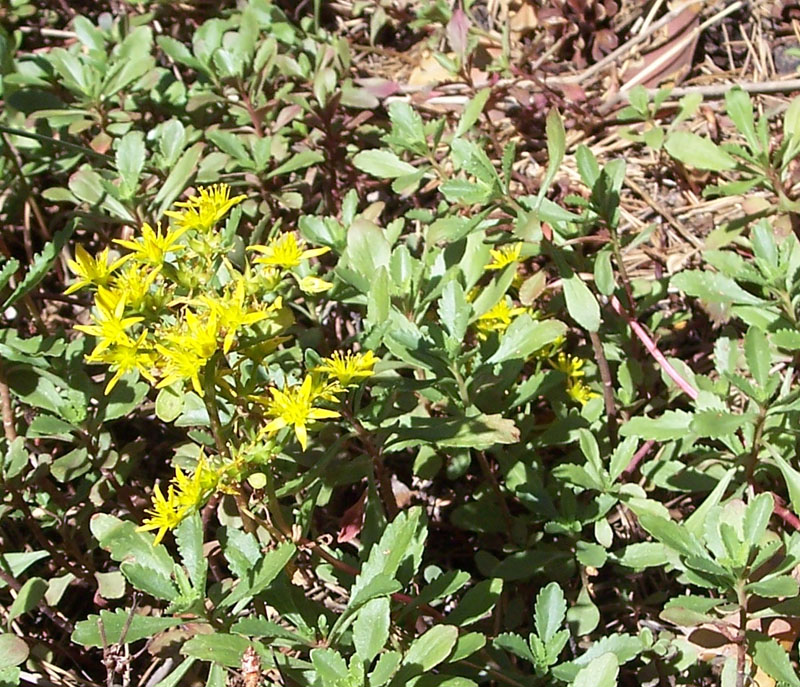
pixel 472 111
pixel 772 658
pixel 549 611
pixel 87 632
pixel 699 152
pixel 673 424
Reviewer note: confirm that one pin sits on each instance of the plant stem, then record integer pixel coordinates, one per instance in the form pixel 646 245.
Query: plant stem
pixel 608 387
pixel 8 410
pixel 741 639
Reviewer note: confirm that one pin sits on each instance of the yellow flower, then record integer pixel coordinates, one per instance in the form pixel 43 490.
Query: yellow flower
pixel 286 251
pixel 580 392
pixel 135 282
pixel 313 285
pixel 204 211
pixel 91 271
pixel 154 246
pixel 233 314
pixel 350 367
pixel 166 514
pixel 570 365
pixel 503 256
pixel 497 318
pixel 190 346
pixel 179 364
pixel 294 406
pixel 125 356
pixel 192 491
pixel 109 324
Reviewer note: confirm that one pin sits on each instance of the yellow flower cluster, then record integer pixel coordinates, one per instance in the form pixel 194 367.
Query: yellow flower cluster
pixel 173 300
pixel 297 405
pixel 572 366
pixel 184 494
pixel 175 310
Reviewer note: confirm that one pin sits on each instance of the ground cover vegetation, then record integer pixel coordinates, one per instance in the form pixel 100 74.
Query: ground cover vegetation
pixel 397 343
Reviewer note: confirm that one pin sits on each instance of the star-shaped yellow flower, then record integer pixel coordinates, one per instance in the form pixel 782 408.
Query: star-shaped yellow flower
pixel 294 406
pixel 91 271
pixel 202 212
pixel 286 251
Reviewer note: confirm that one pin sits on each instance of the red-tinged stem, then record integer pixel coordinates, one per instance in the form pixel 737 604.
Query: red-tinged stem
pixel 650 345
pixel 786 515
pixel 637 458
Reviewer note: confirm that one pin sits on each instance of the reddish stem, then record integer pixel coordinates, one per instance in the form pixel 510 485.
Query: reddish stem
pixel 650 345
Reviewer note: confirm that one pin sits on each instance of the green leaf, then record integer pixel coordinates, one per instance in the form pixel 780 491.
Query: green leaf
pixel 9 269
pixel 28 597
pixel 717 423
pixel 268 568
pixel 330 666
pixel 89 186
pixel 698 152
pixel 385 668
pixel 149 581
pixel 467 645
pixel 221 648
pixel 549 611
pixel 587 165
pixel 123 542
pixel 673 424
pixel 477 603
pixel 581 303
pixel 371 629
pixel 178 178
pixel 739 108
pixel 601 672
pixel 367 249
pixel 772 659
pixel 169 403
pixel 556 147
pixel 382 164
pixel 301 160
pixel 787 338
pixel 790 476
pixel 524 336
pixel 467 192
pixel 130 161
pixel 408 130
pixel 671 534
pixel 189 537
pixel 87 632
pixel 42 262
pixel 515 644
pixel 472 112
pixel 431 648
pixel 454 310
pixel 774 587
pixel 756 350
pixel 604 273
pixel 13 651
pixel 478 432
pixel 756 518
pixel 17 563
